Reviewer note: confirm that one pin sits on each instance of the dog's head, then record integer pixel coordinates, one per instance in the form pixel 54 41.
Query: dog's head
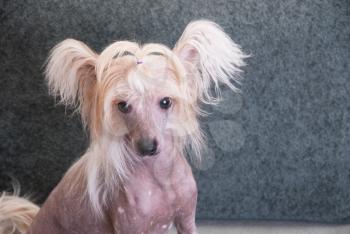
pixel 146 96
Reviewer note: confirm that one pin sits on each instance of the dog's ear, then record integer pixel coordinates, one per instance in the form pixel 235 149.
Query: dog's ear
pixel 70 74
pixel 209 56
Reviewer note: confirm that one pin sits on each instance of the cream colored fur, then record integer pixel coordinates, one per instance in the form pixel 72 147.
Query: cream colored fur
pixel 16 214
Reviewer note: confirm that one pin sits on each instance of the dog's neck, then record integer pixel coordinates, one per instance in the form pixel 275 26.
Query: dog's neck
pixel 161 167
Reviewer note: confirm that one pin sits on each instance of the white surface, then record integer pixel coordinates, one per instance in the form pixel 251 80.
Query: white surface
pixel 269 228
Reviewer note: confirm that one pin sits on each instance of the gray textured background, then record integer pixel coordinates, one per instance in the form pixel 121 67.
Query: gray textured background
pixel 281 150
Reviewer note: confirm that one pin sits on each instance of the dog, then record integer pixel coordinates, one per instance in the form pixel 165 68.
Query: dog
pixel 140 106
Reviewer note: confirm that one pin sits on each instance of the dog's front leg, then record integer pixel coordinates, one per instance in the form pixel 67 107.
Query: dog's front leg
pixel 185 217
pixel 185 223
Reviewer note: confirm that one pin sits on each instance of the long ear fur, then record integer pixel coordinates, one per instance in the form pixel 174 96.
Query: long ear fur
pixel 209 56
pixel 70 73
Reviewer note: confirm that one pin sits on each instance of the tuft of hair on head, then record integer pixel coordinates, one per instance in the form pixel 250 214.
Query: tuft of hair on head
pixel 210 57
pixel 71 76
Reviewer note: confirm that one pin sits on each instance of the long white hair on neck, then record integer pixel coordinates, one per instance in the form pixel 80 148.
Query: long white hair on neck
pixel 108 164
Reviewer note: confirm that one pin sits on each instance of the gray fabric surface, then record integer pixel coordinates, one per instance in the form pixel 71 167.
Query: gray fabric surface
pixel 280 150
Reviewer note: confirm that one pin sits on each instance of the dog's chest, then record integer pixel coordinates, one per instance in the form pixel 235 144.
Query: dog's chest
pixel 147 206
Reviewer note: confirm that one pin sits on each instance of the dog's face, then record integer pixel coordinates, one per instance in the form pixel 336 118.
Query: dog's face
pixel 142 104
pixel 146 120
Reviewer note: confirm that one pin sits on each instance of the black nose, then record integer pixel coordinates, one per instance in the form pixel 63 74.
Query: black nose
pixel 147 146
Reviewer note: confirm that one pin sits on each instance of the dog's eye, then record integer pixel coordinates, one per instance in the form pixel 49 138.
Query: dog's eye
pixel 165 103
pixel 124 107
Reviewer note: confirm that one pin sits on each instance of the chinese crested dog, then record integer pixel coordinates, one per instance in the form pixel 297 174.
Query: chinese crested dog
pixel 140 105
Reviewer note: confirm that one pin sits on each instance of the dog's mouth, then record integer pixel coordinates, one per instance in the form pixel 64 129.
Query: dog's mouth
pixel 149 155
pixel 146 155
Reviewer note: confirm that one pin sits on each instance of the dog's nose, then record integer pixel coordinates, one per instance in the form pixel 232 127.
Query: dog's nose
pixel 147 146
